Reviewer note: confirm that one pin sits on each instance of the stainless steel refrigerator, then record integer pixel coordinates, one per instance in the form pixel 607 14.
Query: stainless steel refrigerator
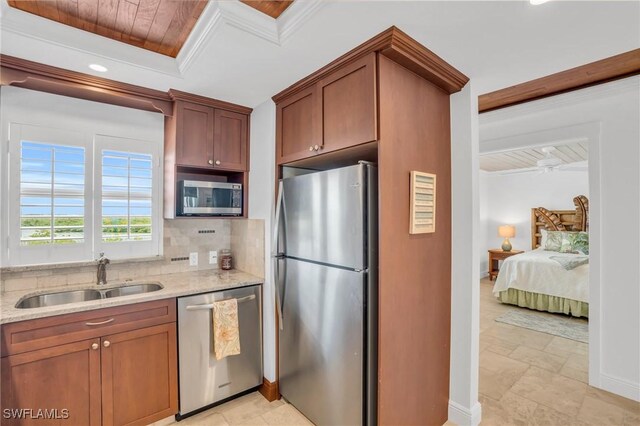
pixel 326 274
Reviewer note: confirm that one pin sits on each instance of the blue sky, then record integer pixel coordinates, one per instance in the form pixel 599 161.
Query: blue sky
pixel 123 175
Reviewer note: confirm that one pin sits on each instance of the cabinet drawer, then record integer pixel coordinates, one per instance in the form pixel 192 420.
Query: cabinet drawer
pixel 41 333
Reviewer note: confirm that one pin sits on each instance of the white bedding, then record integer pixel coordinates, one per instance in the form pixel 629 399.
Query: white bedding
pixel 535 272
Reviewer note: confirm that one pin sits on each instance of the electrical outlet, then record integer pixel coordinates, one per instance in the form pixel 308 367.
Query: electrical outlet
pixel 193 259
pixel 213 257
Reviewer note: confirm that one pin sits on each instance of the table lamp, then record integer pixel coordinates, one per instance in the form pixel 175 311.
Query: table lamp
pixel 506 232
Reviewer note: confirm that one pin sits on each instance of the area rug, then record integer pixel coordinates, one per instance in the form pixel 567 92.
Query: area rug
pixel 557 325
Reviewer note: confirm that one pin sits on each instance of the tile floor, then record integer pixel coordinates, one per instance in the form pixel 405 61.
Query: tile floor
pixel 532 378
pixel 526 378
pixel 252 409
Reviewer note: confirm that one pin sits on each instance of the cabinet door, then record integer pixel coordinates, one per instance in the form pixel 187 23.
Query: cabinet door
pixel 298 126
pixel 230 140
pixel 194 144
pixel 65 377
pixel 348 99
pixel 139 376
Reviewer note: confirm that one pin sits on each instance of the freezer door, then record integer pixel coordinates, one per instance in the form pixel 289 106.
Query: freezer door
pixel 323 217
pixel 203 379
pixel 322 342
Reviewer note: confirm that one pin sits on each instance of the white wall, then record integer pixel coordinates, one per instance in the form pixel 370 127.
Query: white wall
pixel 508 199
pixel 464 408
pixel 612 111
pixel 261 206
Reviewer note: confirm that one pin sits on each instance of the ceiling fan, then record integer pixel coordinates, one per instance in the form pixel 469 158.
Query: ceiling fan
pixel 550 163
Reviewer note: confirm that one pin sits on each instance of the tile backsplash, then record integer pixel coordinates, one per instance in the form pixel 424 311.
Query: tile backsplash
pixel 181 237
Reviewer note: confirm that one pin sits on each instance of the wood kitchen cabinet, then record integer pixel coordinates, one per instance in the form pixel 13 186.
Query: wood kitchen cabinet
pixel 194 134
pixel 337 111
pixel 205 139
pixel 114 366
pixel 298 126
pixel 59 377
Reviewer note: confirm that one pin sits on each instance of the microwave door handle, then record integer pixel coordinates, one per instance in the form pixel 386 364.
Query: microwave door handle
pixel 277 256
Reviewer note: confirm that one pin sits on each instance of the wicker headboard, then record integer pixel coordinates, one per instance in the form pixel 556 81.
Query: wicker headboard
pixel 567 217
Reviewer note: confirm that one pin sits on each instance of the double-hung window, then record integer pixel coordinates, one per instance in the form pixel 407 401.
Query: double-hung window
pixel 73 195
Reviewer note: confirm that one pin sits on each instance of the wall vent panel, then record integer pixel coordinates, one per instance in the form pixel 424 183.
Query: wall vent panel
pixel 423 203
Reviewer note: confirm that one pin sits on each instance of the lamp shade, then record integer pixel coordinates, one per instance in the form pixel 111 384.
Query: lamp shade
pixel 506 231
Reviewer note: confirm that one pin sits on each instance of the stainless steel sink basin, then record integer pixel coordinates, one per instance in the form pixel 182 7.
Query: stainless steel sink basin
pixel 132 289
pixel 84 295
pixel 61 298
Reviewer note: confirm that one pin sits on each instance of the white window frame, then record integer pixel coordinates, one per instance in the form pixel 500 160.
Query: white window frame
pixel 46 253
pixel 129 249
pixel 89 249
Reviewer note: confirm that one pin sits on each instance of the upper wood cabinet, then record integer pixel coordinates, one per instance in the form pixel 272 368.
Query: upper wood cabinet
pixel 194 134
pixel 298 126
pixel 207 133
pixel 348 99
pixel 337 111
pixel 230 140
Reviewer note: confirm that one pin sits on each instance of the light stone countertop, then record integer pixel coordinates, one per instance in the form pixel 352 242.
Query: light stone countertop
pixel 175 285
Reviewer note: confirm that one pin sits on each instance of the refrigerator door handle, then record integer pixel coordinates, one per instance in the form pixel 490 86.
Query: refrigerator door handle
pixel 276 256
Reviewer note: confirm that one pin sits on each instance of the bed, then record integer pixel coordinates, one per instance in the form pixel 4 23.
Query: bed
pixel 538 280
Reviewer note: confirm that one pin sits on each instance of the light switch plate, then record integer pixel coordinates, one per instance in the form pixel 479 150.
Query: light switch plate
pixel 193 259
pixel 213 257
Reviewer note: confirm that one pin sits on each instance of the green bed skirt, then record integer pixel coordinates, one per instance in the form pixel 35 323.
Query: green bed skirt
pixel 544 302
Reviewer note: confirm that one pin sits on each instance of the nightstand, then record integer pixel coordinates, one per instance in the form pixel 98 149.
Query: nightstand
pixel 495 255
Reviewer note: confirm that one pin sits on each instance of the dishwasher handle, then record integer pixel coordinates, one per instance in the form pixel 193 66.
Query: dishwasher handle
pixel 210 305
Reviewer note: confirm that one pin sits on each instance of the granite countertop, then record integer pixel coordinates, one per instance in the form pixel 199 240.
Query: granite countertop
pixel 175 285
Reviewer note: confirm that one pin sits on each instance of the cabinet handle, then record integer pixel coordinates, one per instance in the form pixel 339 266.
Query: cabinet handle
pixel 316 147
pixel 100 322
pixel 311 148
pixel 95 346
pixel 217 162
pixel 106 343
pixel 211 162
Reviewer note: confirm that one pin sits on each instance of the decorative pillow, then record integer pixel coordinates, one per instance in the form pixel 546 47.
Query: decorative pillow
pixel 567 242
pixel 582 213
pixel 543 238
pixel 579 242
pixel 551 220
pixel 553 241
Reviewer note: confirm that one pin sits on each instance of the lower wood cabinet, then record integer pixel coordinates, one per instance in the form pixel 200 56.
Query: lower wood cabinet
pixel 119 378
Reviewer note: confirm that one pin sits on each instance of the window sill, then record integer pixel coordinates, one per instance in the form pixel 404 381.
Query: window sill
pixel 43 266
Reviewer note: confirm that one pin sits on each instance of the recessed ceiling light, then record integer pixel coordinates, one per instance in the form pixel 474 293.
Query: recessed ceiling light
pixel 98 67
pixel 537 2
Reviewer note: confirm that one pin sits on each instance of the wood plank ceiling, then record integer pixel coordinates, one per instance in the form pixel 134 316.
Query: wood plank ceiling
pixel 273 8
pixel 161 26
pixel 527 158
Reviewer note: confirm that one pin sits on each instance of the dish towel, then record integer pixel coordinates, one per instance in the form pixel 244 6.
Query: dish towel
pixel 226 333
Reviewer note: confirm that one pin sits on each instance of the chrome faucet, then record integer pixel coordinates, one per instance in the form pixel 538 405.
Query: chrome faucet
pixel 102 269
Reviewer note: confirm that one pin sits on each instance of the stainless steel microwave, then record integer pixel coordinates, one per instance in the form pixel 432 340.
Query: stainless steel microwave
pixel 198 198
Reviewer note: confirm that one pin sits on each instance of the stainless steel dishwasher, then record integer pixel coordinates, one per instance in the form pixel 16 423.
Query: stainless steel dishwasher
pixel 203 379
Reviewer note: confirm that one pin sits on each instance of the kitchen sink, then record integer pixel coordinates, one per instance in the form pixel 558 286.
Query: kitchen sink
pixel 84 295
pixel 132 289
pixel 60 298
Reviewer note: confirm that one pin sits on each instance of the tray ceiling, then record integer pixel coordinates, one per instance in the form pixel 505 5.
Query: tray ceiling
pixel 527 158
pixel 273 8
pixel 161 26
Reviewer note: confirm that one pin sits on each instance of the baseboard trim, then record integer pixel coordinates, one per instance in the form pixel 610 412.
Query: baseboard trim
pixel 620 387
pixel 463 416
pixel 269 390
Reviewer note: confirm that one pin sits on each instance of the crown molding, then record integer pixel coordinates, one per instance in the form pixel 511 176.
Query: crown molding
pixel 215 16
pixel 215 103
pixel 399 47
